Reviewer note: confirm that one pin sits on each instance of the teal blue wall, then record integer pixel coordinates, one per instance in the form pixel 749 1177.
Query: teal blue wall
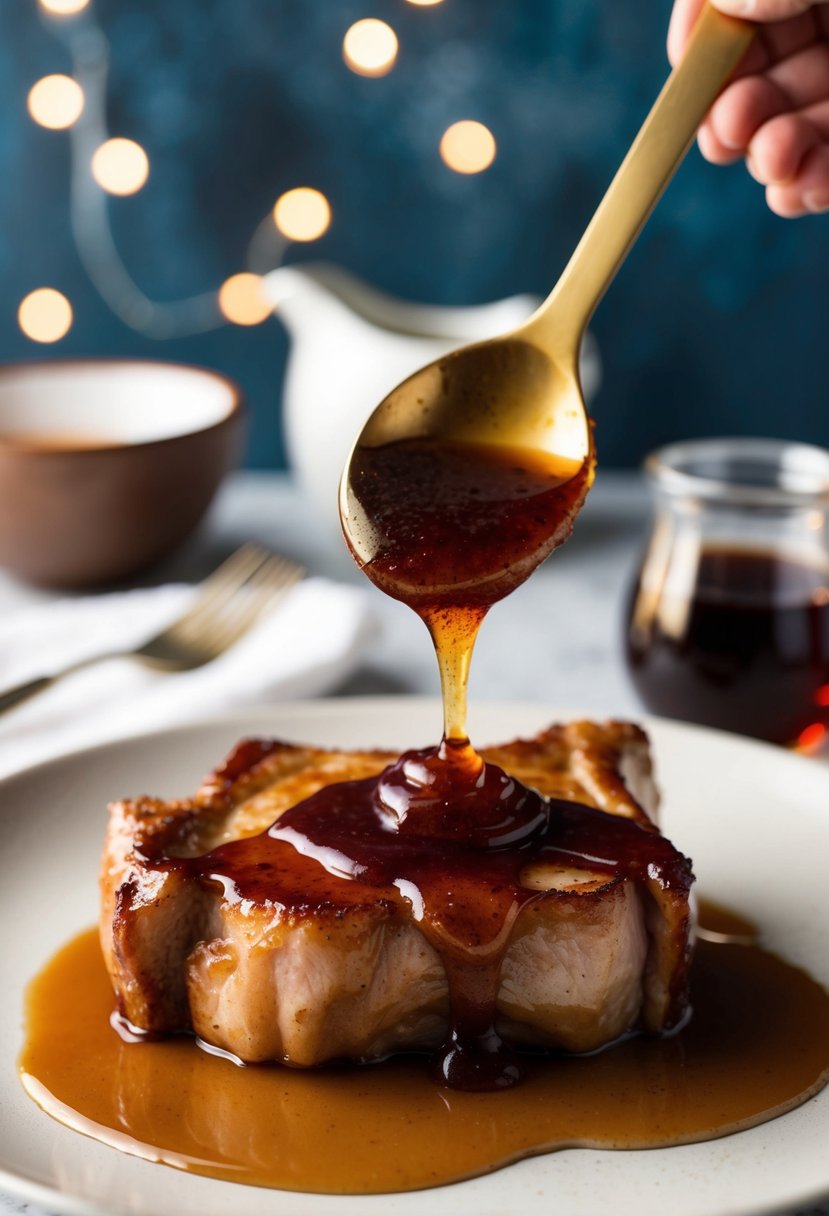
pixel 717 323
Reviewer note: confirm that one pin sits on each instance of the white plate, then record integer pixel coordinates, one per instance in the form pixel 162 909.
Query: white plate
pixel 755 820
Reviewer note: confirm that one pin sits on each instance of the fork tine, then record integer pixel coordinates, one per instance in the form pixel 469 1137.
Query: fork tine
pixel 264 587
pixel 236 565
pixel 221 585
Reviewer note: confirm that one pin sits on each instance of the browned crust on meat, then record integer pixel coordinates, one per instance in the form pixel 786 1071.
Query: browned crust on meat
pixel 152 921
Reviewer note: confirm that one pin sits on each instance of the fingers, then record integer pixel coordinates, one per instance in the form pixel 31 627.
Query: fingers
pixel 775 111
pixel 741 110
pixel 803 77
pixel 712 149
pixel 779 148
pixel 807 191
pixel 784 38
pixel 777 39
pixel 764 10
pixel 683 19
pixel 747 105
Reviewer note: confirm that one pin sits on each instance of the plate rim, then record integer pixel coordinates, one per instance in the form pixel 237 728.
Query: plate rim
pixel 377 702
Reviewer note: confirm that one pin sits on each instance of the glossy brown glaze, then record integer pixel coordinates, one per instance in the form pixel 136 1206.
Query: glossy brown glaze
pixel 440 838
pixel 749 652
pixel 451 524
pixel 449 528
pixel 757 1046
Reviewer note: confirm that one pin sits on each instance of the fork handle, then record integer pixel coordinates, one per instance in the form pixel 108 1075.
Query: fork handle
pixel 30 688
pixel 22 692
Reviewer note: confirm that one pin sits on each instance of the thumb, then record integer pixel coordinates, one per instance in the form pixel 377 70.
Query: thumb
pixel 765 10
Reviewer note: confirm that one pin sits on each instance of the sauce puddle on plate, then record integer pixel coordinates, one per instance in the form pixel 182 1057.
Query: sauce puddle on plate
pixel 756 1046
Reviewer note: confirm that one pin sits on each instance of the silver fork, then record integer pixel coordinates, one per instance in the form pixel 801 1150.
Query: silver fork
pixel 229 601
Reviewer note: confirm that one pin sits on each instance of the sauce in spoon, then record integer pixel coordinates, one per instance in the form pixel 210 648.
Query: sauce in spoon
pixel 449 528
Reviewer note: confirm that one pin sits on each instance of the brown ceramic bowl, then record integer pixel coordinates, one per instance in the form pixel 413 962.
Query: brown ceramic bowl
pixel 107 464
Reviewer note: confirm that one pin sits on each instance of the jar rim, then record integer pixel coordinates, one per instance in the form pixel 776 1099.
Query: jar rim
pixel 742 471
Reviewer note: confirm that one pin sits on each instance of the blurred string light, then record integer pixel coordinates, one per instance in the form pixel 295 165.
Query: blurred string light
pixel 55 102
pixel 242 299
pixel 102 165
pixel 120 166
pixel 45 315
pixel 302 214
pixel 63 8
pixel 370 47
pixel 468 147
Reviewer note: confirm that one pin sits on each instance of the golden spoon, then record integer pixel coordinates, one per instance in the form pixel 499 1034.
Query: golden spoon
pixel 523 389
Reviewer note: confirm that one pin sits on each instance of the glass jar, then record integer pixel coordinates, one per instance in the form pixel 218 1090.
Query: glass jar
pixel 728 622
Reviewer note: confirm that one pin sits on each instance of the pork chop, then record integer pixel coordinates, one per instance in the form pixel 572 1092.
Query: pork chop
pixel 594 955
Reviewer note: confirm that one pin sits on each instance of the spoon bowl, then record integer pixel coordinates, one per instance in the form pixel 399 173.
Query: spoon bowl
pixel 507 391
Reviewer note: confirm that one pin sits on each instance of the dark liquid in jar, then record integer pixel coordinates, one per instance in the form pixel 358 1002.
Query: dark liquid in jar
pixel 748 653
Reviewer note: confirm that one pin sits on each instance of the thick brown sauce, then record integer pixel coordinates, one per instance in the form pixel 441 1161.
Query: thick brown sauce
pixel 757 1046
pixel 441 839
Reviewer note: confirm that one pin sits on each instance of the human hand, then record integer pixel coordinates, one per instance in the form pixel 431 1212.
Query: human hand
pixel 775 110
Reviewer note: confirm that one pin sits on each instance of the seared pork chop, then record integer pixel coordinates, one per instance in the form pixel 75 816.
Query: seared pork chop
pixel 592 956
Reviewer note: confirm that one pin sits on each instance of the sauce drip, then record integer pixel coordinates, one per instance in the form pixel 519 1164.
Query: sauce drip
pixel 449 528
pixel 446 849
pixel 758 1045
pixel 747 651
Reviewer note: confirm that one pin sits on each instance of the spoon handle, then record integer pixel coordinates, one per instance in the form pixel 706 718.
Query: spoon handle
pixel 717 45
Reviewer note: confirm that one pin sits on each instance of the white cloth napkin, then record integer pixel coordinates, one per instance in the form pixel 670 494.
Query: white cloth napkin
pixel 306 645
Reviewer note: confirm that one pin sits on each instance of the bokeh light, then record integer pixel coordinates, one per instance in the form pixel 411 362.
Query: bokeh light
pixel 302 214
pixel 425 3
pixel 45 315
pixel 63 8
pixel 120 166
pixel 55 102
pixel 242 299
pixel 811 739
pixel 370 47
pixel 468 147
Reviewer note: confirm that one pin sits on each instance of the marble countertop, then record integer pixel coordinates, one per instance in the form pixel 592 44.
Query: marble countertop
pixel 558 639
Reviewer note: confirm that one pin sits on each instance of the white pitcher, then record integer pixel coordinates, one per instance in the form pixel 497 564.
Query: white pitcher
pixel 350 346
